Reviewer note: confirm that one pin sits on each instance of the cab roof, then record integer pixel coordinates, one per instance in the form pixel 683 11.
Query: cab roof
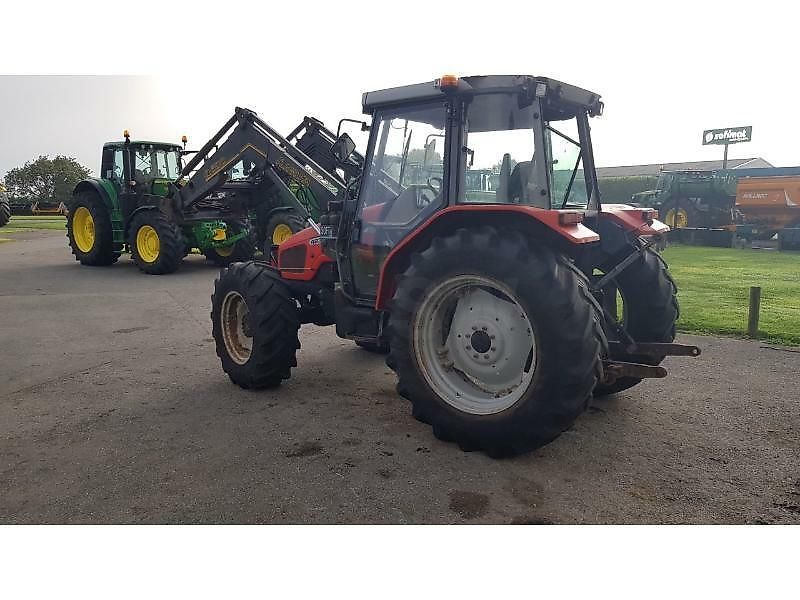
pixel 159 145
pixel 562 99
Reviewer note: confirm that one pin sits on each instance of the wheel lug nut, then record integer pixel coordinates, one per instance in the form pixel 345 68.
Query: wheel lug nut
pixel 484 327
pixel 491 337
pixel 486 356
pixel 494 349
pixel 474 356
pixel 474 328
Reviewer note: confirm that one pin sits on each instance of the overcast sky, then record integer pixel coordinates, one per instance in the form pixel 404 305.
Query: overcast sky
pixel 664 76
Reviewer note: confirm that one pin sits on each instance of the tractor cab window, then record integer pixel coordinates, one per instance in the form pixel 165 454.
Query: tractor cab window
pixel 150 163
pixel 500 153
pixel 567 177
pixel 402 185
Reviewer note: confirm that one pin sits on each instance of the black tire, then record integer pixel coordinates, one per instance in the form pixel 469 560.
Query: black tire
pixel 650 310
pixel 5 212
pixel 243 250
pixel 288 218
pixel 373 347
pixel 170 243
pixel 104 251
pixel 566 320
pixel 272 319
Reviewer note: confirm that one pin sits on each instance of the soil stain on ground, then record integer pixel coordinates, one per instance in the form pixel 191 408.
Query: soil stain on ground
pixel 305 449
pixel 468 505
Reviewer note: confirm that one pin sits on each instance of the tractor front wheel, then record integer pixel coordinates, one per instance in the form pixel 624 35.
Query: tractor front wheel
pixel 156 243
pixel 498 353
pixel 89 231
pixel 255 323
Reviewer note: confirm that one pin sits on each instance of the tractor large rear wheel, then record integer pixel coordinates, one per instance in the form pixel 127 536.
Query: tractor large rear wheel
pixel 496 342
pixel 649 311
pixel 255 324
pixel 156 243
pixel 89 231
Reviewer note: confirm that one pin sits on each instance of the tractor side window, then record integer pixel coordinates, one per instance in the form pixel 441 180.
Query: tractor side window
pixel 173 164
pixel 118 172
pixel 567 177
pixel 500 154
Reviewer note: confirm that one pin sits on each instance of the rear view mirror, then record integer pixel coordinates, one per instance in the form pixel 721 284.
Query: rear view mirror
pixel 343 147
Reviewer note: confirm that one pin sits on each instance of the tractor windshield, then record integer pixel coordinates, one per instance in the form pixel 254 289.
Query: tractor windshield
pixel 152 162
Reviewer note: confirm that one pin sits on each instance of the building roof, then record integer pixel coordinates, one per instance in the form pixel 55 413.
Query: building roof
pixel 700 165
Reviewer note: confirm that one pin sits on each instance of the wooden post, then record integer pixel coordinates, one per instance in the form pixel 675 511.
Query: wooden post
pixel 752 315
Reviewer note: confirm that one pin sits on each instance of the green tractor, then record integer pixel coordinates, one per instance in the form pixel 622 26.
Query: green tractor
pixel 131 207
pixel 5 207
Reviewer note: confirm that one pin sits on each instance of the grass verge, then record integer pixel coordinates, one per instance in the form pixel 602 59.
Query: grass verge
pixel 714 289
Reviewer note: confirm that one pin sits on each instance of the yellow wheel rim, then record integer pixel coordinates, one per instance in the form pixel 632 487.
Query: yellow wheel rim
pixel 281 233
pixel 677 218
pixel 147 244
pixel 224 251
pixel 83 229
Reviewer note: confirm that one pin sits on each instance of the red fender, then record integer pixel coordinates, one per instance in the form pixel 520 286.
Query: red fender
pixel 631 218
pixel 576 233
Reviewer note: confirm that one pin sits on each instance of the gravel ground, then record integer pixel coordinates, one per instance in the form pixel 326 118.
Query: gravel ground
pixel 114 409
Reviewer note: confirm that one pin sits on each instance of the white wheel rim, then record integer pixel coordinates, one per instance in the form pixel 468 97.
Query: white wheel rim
pixel 474 344
pixel 236 331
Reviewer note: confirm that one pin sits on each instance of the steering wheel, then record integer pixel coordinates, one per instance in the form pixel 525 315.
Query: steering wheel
pixel 436 189
pixel 428 193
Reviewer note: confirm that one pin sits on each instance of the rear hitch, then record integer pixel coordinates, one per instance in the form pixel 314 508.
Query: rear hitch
pixel 653 349
pixel 616 369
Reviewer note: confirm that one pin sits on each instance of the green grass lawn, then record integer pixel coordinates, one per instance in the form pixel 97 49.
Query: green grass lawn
pixel 36 222
pixel 714 289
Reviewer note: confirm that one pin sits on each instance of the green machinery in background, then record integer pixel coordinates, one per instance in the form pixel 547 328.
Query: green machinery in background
pixel 150 203
pixel 698 198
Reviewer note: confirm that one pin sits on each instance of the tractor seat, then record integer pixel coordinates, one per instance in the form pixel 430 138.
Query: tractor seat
pixel 518 183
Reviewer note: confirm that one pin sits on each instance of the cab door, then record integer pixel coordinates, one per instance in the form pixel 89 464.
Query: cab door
pixel 404 183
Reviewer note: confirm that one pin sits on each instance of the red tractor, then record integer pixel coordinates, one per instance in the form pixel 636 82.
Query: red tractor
pixel 497 305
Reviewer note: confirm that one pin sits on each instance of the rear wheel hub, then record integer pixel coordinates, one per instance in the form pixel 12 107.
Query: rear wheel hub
pixel 475 344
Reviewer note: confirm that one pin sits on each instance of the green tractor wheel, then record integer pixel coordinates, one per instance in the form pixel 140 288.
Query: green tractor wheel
pixel 241 251
pixel 280 227
pixel 89 232
pixel 156 243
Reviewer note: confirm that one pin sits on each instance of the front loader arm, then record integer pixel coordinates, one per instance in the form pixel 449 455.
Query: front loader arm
pixel 247 137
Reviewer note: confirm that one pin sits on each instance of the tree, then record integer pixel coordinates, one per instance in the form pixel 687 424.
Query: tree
pixel 417 156
pixel 46 181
